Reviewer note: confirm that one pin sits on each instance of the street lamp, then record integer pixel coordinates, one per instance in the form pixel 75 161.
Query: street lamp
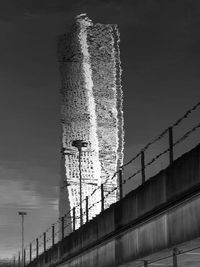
pixel 22 213
pixel 79 144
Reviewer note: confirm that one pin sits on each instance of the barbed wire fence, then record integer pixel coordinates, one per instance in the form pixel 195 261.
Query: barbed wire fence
pixel 139 163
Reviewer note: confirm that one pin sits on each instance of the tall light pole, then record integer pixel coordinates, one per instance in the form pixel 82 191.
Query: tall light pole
pixel 22 214
pixel 79 144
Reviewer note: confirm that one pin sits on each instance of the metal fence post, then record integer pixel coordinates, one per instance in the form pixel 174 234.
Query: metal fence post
pixel 53 235
pixel 171 157
pixel 37 247
pixel 143 166
pixel 175 257
pixel 19 260
pixel 120 176
pixel 86 208
pixel 30 252
pixel 102 198
pixel 62 226
pixel 44 238
pixel 74 219
pixel 24 263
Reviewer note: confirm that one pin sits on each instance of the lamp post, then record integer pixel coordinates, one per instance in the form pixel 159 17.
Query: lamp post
pixel 79 144
pixel 22 214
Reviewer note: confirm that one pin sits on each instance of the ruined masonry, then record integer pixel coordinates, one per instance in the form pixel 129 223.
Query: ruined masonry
pixel 91 110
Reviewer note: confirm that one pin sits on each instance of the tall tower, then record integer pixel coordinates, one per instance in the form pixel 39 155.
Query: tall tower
pixel 91 110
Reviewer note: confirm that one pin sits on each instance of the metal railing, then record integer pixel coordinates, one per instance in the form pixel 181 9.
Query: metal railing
pixel 68 223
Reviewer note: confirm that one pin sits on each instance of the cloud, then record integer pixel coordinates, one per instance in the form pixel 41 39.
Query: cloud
pixel 25 186
pixel 54 204
pixel 20 194
pixel 17 193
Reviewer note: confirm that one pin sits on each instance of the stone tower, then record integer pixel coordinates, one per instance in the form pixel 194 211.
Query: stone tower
pixel 91 110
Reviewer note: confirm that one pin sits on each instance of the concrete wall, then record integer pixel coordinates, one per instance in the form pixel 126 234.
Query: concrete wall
pixel 162 213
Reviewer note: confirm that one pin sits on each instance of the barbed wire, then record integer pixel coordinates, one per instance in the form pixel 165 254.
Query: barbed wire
pixel 148 145
pixel 99 187
pixel 67 225
pixel 187 134
pixel 56 233
pixel 148 164
pixel 187 113
pixel 48 239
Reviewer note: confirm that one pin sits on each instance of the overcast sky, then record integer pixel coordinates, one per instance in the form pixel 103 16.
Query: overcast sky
pixel 160 54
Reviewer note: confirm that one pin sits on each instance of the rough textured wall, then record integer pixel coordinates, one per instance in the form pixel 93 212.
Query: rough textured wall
pixel 91 109
pixel 106 73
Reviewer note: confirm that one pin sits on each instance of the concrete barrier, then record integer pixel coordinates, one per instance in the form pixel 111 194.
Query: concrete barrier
pixel 149 219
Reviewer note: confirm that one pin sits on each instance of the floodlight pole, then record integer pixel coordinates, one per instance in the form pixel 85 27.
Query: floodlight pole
pixel 79 144
pixel 22 214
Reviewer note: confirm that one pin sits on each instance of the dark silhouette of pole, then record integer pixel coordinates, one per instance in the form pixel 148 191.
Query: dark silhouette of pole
pixel 24 257
pixel 80 185
pixel 86 209
pixel 175 252
pixel 171 158
pixel 79 144
pixel 44 241
pixel 143 167
pixel 37 247
pixel 63 227
pixel 30 252
pixel 74 219
pixel 22 214
pixel 120 184
pixel 102 198
pixel 19 259
pixel 53 235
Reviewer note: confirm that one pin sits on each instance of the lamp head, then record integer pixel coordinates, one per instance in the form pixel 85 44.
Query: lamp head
pixel 22 213
pixel 79 144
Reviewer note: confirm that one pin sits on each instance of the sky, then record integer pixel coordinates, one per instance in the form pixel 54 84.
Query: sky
pixel 160 54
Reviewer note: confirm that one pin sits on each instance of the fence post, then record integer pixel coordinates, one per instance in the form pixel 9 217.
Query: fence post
pixel 120 175
pixel 24 263
pixel 175 257
pixel 30 252
pixel 74 219
pixel 44 237
pixel 86 208
pixel 145 263
pixel 171 157
pixel 14 261
pixel 143 166
pixel 62 226
pixel 53 235
pixel 19 259
pixel 102 198
pixel 37 247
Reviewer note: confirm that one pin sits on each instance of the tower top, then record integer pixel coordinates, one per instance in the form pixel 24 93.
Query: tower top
pixel 83 18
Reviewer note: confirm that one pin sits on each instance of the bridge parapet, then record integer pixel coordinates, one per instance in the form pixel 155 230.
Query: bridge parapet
pixel 111 227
